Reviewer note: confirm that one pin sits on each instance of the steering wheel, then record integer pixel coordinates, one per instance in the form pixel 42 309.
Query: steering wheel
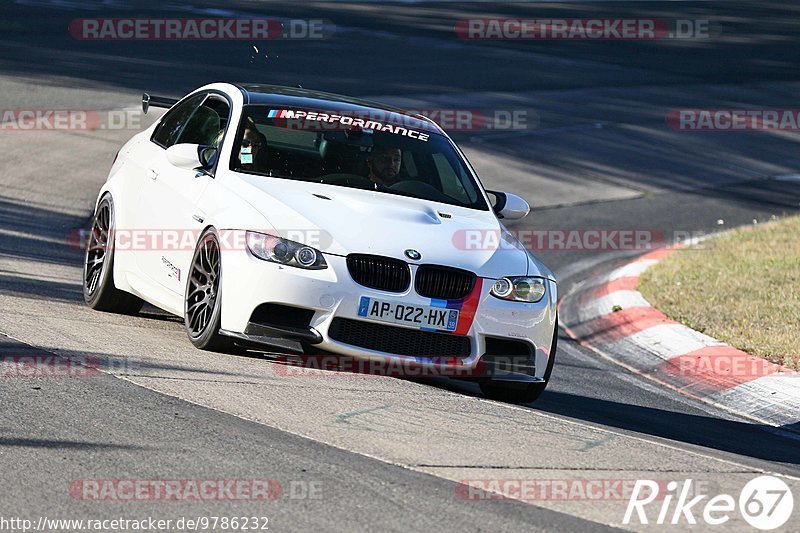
pixel 420 189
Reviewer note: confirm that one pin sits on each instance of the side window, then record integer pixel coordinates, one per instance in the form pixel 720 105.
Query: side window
pixel 173 122
pixel 207 123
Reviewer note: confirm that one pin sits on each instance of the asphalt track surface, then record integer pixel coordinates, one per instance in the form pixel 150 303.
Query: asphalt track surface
pixel 384 453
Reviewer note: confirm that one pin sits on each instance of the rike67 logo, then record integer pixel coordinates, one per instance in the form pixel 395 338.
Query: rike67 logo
pixel 765 503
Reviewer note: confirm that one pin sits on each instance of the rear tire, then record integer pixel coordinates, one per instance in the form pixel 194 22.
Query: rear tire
pixel 202 302
pixel 522 393
pixel 99 291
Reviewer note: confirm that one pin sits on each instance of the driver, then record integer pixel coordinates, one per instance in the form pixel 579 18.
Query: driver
pixel 384 165
pixel 253 151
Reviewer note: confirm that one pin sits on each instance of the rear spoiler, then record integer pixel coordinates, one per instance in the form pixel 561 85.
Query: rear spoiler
pixel 157 101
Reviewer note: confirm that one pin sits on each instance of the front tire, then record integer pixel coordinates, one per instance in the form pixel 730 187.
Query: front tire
pixel 99 291
pixel 202 303
pixel 522 393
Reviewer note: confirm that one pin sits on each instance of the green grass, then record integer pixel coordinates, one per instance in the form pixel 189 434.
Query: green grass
pixel 742 288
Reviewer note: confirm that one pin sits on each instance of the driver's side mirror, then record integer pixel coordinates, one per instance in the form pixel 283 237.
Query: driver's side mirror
pixel 509 206
pixel 191 156
pixel 184 155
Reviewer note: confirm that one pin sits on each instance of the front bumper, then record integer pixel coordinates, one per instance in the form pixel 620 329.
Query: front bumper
pixel 331 294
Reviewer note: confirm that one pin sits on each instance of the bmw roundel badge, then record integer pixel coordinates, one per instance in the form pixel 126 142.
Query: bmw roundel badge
pixel 413 254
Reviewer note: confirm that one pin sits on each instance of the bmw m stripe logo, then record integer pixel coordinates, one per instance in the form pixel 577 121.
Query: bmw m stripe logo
pixel 413 254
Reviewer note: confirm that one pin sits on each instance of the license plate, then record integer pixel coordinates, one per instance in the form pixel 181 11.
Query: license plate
pixel 418 316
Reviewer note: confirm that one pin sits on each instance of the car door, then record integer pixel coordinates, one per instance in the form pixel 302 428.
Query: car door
pixel 169 206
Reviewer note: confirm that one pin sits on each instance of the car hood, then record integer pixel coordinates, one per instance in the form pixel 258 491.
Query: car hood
pixel 341 221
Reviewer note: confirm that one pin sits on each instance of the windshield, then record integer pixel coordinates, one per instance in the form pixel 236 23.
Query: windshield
pixel 385 154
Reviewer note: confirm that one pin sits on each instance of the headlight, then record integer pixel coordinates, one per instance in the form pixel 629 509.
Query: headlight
pixel 284 251
pixel 519 289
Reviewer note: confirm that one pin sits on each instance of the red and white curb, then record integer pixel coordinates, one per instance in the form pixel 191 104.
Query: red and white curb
pixel 645 341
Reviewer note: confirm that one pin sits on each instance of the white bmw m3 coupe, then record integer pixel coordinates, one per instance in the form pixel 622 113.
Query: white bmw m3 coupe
pixel 274 217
